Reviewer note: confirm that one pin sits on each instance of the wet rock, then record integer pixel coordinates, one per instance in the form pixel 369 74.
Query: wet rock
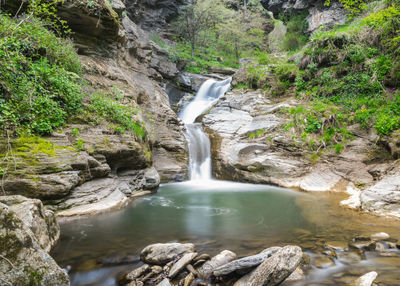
pixel 202 257
pixel 36 217
pixel 165 282
pixel 277 268
pixel 222 258
pixel 22 260
pixel 350 257
pixel 336 245
pixel 138 272
pixel 189 279
pixel 160 253
pixel 365 280
pixel 388 253
pixel 297 275
pixel 322 261
pixel 152 179
pixel 380 246
pixel 135 283
pixel 245 264
pixel 380 236
pixel 366 245
pixel 181 263
pixel 191 269
pixel 156 269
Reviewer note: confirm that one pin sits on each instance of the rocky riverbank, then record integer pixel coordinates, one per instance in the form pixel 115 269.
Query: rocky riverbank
pixel 180 264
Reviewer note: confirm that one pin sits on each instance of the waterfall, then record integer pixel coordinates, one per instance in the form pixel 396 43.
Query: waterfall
pixel 198 141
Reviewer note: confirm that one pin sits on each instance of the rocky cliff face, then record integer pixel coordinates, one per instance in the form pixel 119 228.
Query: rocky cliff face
pixel 107 168
pixel 318 13
pixel 154 15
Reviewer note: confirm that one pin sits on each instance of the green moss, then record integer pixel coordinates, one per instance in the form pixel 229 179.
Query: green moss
pixel 11 246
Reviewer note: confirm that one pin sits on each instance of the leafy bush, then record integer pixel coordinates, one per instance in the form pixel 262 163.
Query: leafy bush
pixel 39 77
pixel 104 106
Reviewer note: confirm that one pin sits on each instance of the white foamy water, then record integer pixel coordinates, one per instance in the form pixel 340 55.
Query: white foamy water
pixel 198 141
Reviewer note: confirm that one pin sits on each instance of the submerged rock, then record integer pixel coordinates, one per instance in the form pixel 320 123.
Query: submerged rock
pixel 365 280
pixel 322 261
pixel 380 236
pixel 161 253
pixel 23 261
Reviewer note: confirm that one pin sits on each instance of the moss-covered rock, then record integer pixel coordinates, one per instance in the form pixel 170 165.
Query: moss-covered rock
pixel 23 261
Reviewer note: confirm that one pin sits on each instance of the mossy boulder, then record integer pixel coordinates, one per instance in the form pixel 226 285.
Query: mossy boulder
pixel 23 261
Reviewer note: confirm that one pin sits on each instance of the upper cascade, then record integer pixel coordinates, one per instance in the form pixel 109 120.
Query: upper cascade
pixel 206 97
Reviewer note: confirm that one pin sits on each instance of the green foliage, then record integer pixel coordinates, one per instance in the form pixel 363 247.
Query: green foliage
pixel 338 148
pixel 75 132
pixel 353 7
pixel 349 70
pixel 388 23
pixel 39 77
pixel 213 35
pixel 105 106
pixel 257 133
pixel 296 35
pixel 79 144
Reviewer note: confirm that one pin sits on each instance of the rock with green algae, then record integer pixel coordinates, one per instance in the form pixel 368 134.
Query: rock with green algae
pixel 41 221
pixel 22 259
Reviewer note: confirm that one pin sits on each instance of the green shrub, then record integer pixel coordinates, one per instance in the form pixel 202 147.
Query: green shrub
pixel 105 107
pixel 39 77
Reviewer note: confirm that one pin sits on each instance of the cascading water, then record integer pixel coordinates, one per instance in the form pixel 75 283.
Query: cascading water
pixel 198 141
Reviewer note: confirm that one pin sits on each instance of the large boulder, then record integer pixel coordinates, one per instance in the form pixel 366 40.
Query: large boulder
pixel 36 217
pixel 277 268
pixel 22 260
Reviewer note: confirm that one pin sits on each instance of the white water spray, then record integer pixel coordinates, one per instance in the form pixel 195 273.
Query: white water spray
pixel 199 143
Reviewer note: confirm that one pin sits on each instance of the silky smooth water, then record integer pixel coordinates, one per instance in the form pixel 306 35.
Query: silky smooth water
pixel 198 141
pixel 219 215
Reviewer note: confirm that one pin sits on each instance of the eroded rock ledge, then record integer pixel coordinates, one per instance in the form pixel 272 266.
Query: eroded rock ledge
pixel 366 169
